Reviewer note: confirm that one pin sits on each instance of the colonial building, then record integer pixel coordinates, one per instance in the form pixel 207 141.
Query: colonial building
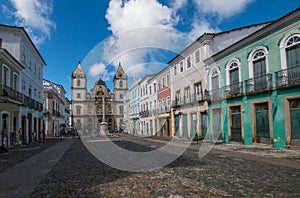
pixel 134 103
pixel 254 86
pixel 11 99
pixel 145 101
pixel 188 84
pixel 29 118
pixel 56 109
pixel 163 110
pixel 91 109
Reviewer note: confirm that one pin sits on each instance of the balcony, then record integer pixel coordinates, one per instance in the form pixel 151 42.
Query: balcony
pixel 259 84
pixel 12 94
pixel 288 77
pixel 176 103
pixel 144 113
pixel 55 113
pixel 216 94
pixel 234 90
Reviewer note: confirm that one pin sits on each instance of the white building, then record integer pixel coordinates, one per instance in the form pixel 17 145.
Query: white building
pixel 134 104
pixel 145 105
pixel 56 108
pixel 17 42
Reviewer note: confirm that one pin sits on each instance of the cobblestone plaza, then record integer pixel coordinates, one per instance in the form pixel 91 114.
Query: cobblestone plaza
pixel 70 170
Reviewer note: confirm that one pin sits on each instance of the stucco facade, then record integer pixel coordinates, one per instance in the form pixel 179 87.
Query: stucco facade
pixel 257 96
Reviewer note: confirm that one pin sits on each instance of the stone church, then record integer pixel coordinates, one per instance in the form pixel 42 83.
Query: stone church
pixel 89 109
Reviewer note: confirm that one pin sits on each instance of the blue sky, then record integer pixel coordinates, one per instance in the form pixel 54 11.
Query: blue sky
pixel 66 31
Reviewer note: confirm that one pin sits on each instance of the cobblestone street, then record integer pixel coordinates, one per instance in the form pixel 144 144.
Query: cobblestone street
pixel 79 174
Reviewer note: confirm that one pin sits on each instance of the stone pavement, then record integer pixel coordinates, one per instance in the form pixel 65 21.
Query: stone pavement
pixel 80 174
pixel 20 180
pixel 22 152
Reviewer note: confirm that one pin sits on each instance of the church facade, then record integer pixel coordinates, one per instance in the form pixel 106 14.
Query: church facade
pixel 89 109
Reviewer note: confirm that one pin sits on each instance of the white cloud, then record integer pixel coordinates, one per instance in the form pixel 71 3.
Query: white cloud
pixel 34 16
pixel 100 70
pixel 222 8
pixel 140 26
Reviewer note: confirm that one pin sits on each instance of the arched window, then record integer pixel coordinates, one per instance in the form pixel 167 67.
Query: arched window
pixel 215 83
pixel 258 62
pixel 293 51
pixel 258 70
pixel 78 83
pixel 121 83
pixel 233 75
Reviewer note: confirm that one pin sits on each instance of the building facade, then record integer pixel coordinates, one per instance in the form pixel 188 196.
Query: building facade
pixel 163 119
pixel 134 103
pixel 56 109
pixel 17 42
pixel 91 109
pixel 188 80
pixel 11 99
pixel 254 87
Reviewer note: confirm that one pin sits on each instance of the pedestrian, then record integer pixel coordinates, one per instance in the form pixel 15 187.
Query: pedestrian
pixel 20 136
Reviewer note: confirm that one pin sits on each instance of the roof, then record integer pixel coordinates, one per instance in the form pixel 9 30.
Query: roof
pixel 256 33
pixel 24 31
pixel 205 36
pixel 78 70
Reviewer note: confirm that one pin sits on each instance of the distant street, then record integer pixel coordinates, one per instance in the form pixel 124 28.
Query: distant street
pixel 69 170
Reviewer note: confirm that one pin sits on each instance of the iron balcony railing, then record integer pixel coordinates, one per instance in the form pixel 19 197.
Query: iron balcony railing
pixel 144 113
pixel 12 94
pixel 176 102
pixel 258 84
pixel 216 94
pixel 234 90
pixel 288 77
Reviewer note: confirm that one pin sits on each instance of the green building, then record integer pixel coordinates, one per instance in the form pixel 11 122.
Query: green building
pixel 10 99
pixel 254 87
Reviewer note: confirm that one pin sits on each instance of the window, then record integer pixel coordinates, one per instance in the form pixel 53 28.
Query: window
pixel 121 110
pixel 187 94
pixel 163 82
pixel 78 83
pixel 121 83
pixel 35 93
pixel 233 75
pixel 5 76
pixel 30 61
pixel 121 96
pixel 78 110
pixel 177 97
pixel 23 54
pixel 175 70
pixel 154 87
pixel 259 69
pixel 293 51
pixel 188 62
pixel 150 90
pixel 78 95
pixel 168 80
pixel 198 91
pixel 181 66
pixel 90 110
pixel 215 84
pixel 158 85
pixel 197 56
pixel 30 92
